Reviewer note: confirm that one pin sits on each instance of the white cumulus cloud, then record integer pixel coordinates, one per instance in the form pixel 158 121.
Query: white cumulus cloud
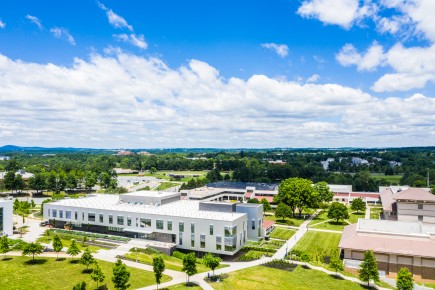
pixel 35 20
pixel 133 39
pixel 2 24
pixel 280 49
pixel 124 100
pixel 63 33
pixel 369 61
pixel 114 19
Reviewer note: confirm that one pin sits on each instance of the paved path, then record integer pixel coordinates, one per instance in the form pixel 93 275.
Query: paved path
pixel 325 230
pixel 367 212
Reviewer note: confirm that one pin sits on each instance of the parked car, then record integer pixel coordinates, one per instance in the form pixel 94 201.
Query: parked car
pixel 43 224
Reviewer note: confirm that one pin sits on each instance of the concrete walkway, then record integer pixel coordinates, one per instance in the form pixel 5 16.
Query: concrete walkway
pixel 303 228
pixel 367 213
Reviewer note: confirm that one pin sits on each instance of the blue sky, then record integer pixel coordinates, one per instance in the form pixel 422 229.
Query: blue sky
pixel 140 74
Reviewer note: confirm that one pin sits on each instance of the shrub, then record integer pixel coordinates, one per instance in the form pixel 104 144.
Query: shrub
pixel 178 255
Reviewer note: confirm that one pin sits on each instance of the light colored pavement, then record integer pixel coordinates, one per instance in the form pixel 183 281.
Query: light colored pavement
pixel 367 212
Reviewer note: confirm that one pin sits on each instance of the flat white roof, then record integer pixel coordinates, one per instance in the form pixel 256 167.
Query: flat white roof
pixel 151 193
pixel 181 208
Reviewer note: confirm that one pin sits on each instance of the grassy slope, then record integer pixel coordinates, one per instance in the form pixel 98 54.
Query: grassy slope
pixel 283 234
pixel 264 278
pixel 52 274
pixel 315 243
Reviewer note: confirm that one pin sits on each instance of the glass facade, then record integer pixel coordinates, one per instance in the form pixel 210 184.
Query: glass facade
pixel 159 224
pixel 1 220
pixel 91 217
pixel 169 225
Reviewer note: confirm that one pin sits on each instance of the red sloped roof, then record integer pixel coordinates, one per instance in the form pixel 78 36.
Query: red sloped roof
pixel 267 224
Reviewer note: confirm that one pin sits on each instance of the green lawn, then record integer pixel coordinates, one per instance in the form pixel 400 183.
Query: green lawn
pixel 375 212
pixel 48 273
pixel 296 221
pixel 393 179
pixel 66 241
pixel 323 222
pixel 171 262
pixel 181 286
pixel 261 277
pixel 281 233
pixel 318 244
pixel 166 185
pixel 353 217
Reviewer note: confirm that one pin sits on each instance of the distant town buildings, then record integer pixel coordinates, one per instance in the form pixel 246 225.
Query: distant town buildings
pixel 4 158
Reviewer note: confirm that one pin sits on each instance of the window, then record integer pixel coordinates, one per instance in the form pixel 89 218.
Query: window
pixel 113 229
pixel 1 220
pixel 181 227
pixel 420 206
pixel 192 228
pixel 83 216
pixel 68 215
pixel 145 223
pixel 76 215
pixel 129 221
pixel 192 240
pixel 169 225
pixel 211 230
pixel 110 219
pixel 218 243
pixel 230 238
pixel 91 217
pixel 420 218
pixel 202 241
pixel 253 224
pixel 120 220
pixel 180 238
pixel 54 213
pixel 159 224
pixel 61 214
pixel 230 231
pixel 101 218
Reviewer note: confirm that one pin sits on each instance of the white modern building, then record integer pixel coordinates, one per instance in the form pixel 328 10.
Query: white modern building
pixel 6 223
pixel 204 226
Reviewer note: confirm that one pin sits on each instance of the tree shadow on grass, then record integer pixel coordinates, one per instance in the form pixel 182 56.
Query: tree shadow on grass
pixel 337 277
pixel 60 259
pixel 87 271
pixel 36 262
pixel 6 259
pixel 75 261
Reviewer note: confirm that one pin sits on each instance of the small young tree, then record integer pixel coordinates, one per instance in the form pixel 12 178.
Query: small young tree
pixel 305 258
pixel 80 286
pixel 87 258
pixel 253 200
pixel 159 268
pixel 369 268
pixel 358 204
pixel 32 249
pixel 97 274
pixel 4 246
pixel 211 261
pixel 283 211
pixel 121 275
pixel 189 265
pixel 73 249
pixel 57 245
pixel 404 280
pixel 266 204
pixel 32 204
pixel 338 211
pixel 336 264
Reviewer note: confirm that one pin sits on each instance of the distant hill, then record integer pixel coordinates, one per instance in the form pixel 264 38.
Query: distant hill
pixel 13 148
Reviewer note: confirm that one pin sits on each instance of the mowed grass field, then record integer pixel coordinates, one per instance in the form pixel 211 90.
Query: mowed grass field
pixel 317 243
pixel 282 234
pixel 393 179
pixel 47 273
pixel 323 222
pixel 375 213
pixel 261 277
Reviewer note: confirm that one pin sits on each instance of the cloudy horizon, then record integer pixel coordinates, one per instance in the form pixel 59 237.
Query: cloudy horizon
pixel 128 87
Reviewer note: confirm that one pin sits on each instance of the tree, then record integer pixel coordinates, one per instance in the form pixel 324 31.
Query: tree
pixel 297 193
pixel 121 275
pixel 80 286
pixel 19 182
pixel 97 274
pixel 304 257
pixel 4 246
pixel 57 245
pixel 32 249
pixel 189 265
pixel 369 268
pixel 22 208
pixel 358 204
pixel 404 280
pixel 37 182
pixel 73 249
pixel 9 181
pixel 86 258
pixel 336 264
pixel 266 204
pixel 283 211
pixel 338 211
pixel 253 200
pixel 211 261
pixel 159 268
pixel 323 191
pixel 32 204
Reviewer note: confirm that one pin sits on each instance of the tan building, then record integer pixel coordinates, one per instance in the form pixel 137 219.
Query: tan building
pixel 408 204
pixel 396 244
